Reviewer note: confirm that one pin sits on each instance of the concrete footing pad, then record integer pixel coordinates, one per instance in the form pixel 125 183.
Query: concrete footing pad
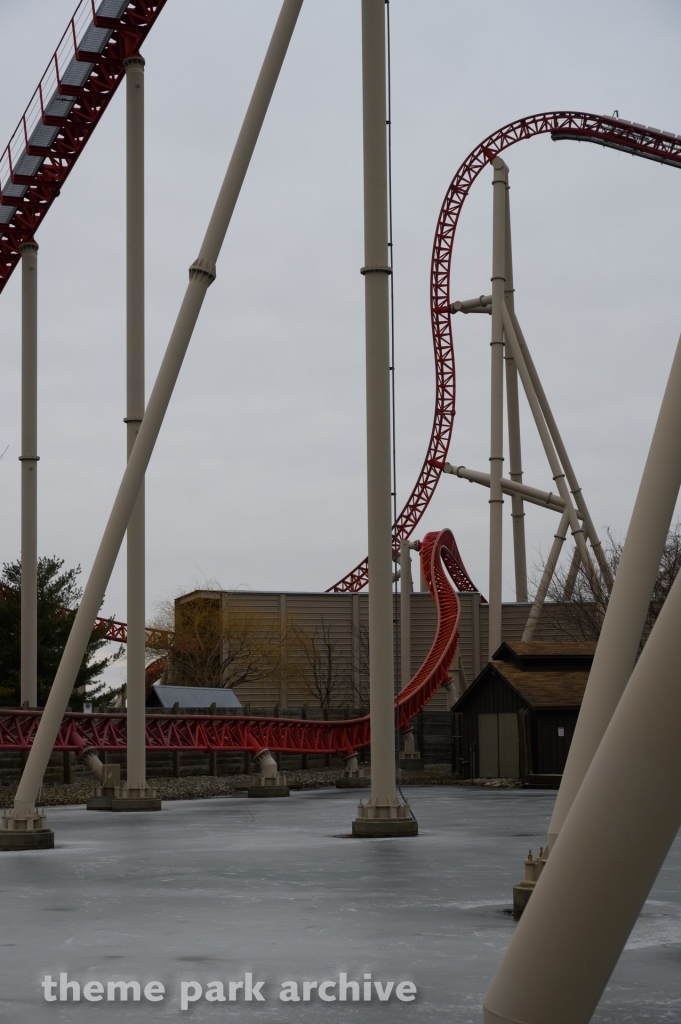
pixel 268 791
pixel 99 803
pixel 39 839
pixel 136 803
pixel 411 764
pixel 352 783
pixel 521 897
pixel 377 828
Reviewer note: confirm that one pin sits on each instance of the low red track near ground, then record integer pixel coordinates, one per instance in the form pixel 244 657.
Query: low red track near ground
pixel 440 560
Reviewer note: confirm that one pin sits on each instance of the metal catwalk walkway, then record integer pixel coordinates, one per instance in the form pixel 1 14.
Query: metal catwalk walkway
pixel 72 95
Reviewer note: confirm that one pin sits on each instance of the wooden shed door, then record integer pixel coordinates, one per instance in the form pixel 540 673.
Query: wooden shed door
pixel 509 747
pixel 488 738
pixel 499 746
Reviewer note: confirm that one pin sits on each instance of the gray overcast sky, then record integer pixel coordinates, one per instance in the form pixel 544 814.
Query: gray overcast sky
pixel 258 478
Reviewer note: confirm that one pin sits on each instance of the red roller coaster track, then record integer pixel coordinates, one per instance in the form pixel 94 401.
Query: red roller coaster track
pixel 613 133
pixel 73 94
pixel 439 555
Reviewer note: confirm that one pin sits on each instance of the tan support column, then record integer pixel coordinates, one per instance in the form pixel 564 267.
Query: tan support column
pixel 496 454
pixel 405 614
pixel 283 695
pixel 201 275
pixel 620 828
pixel 547 576
pixel 589 528
pixel 569 587
pixel 406 589
pixel 547 443
pixel 513 413
pixel 136 787
pixel 477 637
pixel 356 643
pixel 628 605
pixel 383 815
pixel 29 474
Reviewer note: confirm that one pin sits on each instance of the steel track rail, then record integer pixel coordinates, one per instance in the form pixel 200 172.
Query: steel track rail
pixel 72 96
pixel 614 133
pixel 440 560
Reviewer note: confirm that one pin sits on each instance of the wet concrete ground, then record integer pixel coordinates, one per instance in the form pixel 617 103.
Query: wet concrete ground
pixel 211 890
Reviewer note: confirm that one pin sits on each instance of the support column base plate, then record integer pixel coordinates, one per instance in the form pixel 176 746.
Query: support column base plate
pixel 136 803
pixel 99 803
pixel 376 828
pixel 352 783
pixel 40 839
pixel 268 791
pixel 521 897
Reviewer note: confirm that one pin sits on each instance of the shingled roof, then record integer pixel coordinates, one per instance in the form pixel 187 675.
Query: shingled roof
pixel 544 674
pixel 553 689
pixel 549 648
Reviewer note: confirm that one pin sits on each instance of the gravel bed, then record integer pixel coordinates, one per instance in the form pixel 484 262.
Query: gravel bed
pixel 185 788
pixel 196 787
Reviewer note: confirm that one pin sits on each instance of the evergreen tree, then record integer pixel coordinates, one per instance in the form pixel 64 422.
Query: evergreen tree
pixel 58 596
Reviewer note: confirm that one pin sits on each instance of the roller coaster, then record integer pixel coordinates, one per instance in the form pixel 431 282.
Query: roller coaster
pixel 616 815
pixel 70 100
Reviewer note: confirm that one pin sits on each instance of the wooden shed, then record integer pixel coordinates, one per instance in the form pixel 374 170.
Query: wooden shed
pixel 518 717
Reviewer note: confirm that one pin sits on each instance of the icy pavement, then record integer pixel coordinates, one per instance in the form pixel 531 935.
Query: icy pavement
pixel 213 890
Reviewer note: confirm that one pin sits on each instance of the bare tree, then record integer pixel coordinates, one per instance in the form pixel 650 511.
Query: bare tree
pixel 214 643
pixel 575 612
pixel 328 676
pixel 359 686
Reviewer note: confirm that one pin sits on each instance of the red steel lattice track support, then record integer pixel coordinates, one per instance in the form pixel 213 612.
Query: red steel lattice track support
pixel 75 124
pixel 613 133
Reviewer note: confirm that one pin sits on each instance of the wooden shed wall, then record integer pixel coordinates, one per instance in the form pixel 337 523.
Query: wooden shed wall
pixel 491 696
pixel 549 750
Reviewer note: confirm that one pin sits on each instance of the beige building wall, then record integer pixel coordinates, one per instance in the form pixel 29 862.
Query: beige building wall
pixel 346 618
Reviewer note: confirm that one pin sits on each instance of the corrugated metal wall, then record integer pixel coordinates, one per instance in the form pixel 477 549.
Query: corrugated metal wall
pixel 345 616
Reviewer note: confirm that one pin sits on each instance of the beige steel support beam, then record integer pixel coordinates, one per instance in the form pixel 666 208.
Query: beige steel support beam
pixel 547 442
pixel 377 327
pixel 496 453
pixel 483 304
pixel 557 439
pixel 615 839
pixel 547 576
pixel 513 419
pixel 423 586
pixel 569 587
pixel 546 499
pixel 29 474
pixel 406 588
pixel 283 631
pixel 201 275
pixel 628 606
pixel 135 689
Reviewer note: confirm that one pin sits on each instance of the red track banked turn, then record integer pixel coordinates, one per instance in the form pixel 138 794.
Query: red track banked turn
pixel 440 560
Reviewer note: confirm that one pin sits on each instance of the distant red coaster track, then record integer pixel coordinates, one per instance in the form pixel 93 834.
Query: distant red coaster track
pixel 439 557
pixel 610 132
